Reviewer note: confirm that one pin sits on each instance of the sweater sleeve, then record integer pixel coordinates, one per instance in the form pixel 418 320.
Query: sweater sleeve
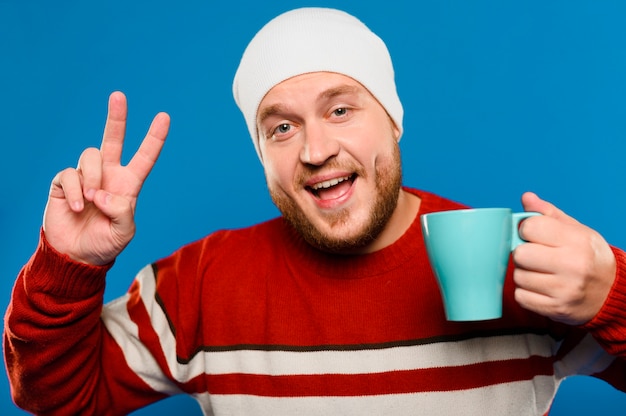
pixel 609 326
pixel 60 358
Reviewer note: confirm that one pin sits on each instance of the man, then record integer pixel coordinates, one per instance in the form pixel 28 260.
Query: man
pixel 331 308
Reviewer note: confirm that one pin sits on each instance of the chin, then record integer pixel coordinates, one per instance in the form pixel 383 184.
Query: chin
pixel 339 239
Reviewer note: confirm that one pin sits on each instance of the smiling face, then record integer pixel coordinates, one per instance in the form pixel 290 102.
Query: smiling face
pixel 331 159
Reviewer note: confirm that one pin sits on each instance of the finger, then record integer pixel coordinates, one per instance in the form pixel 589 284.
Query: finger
pixel 535 291
pixel 142 162
pixel 120 211
pixel 531 202
pixel 67 185
pixel 533 301
pixel 114 129
pixel 560 307
pixel 555 253
pixel 548 231
pixel 535 281
pixel 536 257
pixel 90 168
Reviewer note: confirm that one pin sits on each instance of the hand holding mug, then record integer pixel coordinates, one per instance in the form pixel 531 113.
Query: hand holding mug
pixel 566 270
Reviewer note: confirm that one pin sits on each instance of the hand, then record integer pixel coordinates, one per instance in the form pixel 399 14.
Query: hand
pixel 566 269
pixel 90 210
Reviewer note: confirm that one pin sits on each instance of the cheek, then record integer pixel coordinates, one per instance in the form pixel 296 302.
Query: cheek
pixel 280 161
pixel 278 174
pixel 373 149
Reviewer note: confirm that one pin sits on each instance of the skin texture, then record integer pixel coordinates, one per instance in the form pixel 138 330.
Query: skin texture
pixel 317 128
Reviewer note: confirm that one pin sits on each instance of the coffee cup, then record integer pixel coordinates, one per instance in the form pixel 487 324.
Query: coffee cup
pixel 469 251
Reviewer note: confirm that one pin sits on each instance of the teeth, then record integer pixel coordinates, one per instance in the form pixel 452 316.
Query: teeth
pixel 329 183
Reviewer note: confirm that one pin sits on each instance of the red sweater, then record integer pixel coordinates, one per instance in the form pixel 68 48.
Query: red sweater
pixel 255 321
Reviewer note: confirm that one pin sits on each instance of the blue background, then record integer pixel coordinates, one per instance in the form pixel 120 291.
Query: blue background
pixel 500 97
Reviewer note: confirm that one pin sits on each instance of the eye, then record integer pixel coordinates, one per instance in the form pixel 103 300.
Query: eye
pixel 339 112
pixel 281 131
pixel 282 128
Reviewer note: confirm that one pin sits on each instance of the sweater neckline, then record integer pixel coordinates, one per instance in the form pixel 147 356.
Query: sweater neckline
pixel 304 258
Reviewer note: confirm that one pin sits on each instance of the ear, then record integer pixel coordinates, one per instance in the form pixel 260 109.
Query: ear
pixel 396 131
pixel 257 145
pixel 394 128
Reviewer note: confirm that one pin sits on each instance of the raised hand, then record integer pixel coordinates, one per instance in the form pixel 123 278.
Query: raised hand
pixel 566 270
pixel 90 210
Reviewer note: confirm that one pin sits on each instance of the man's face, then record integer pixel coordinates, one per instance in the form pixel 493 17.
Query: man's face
pixel 331 159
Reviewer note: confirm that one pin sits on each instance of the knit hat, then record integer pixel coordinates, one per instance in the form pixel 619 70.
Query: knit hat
pixel 311 40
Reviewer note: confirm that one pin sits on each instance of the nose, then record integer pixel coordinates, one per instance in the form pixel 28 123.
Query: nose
pixel 319 145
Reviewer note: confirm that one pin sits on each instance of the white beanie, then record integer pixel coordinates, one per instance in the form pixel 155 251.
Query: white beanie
pixel 312 40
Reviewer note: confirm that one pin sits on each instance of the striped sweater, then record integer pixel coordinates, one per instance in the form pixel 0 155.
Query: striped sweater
pixel 254 321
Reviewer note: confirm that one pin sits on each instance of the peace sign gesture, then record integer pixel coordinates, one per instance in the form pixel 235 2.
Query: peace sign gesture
pixel 90 210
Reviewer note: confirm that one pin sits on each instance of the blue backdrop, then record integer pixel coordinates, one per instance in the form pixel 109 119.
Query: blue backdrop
pixel 500 97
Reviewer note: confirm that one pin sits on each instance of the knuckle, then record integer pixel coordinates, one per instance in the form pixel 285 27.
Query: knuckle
pixel 572 297
pixel 583 263
pixel 575 292
pixel 65 175
pixel 562 313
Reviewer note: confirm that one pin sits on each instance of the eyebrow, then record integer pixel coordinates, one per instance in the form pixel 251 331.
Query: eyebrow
pixel 270 111
pixel 324 95
pixel 337 91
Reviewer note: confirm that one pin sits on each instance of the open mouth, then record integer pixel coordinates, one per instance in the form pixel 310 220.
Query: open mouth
pixel 332 188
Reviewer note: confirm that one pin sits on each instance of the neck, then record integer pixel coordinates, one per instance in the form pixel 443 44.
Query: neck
pixel 400 221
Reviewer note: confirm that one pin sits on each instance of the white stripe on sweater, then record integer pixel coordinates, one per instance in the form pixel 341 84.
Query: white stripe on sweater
pixel 138 357
pixel 523 398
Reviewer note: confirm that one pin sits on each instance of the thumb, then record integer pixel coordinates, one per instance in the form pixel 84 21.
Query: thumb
pixel 532 202
pixel 120 212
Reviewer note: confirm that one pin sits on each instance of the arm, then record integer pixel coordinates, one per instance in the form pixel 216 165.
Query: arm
pixel 59 356
pixel 609 323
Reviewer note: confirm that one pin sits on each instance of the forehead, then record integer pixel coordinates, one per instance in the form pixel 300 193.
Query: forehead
pixel 318 85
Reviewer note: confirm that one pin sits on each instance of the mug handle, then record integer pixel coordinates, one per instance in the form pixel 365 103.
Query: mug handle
pixel 517 217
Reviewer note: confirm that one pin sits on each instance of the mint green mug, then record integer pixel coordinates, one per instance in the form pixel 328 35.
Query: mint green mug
pixel 469 251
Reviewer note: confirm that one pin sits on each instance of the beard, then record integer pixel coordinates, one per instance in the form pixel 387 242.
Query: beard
pixel 388 183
